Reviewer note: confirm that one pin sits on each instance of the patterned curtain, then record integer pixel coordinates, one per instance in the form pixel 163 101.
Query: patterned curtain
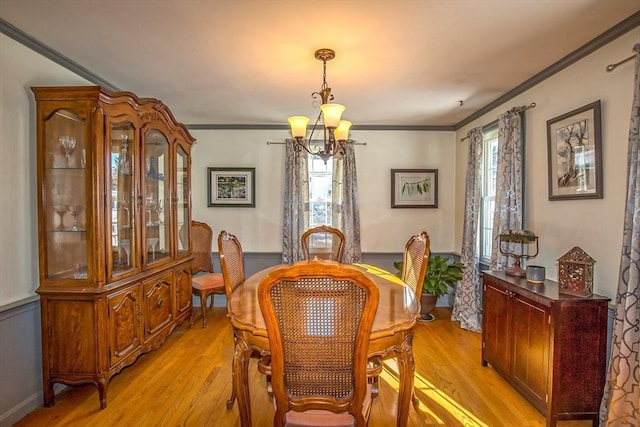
pixel 296 207
pixel 621 400
pixel 344 195
pixel 467 296
pixel 508 209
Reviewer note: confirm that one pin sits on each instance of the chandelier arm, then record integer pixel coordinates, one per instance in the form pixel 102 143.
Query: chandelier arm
pixel 340 148
pixel 315 125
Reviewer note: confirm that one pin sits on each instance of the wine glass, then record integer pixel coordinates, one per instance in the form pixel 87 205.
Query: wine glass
pixel 159 210
pixel 125 167
pixel 151 243
pixel 125 206
pixel 68 143
pixel 151 206
pixel 74 211
pixel 125 245
pixel 60 210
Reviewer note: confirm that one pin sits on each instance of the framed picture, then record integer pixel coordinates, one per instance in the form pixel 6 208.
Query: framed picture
pixel 414 188
pixel 575 154
pixel 231 187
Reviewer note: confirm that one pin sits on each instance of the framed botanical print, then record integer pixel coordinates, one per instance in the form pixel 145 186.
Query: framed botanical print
pixel 414 188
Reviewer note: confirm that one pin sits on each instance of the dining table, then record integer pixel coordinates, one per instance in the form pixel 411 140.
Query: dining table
pixel 391 335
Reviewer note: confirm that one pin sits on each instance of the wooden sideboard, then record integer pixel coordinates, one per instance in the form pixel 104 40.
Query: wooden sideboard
pixel 550 347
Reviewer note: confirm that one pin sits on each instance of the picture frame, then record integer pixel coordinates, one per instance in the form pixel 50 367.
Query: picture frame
pixel 414 188
pixel 231 187
pixel 574 148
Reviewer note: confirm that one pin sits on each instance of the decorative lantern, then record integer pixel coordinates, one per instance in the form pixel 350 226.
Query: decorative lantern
pixel 575 273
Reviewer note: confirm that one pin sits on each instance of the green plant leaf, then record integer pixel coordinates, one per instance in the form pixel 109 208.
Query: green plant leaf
pixel 441 274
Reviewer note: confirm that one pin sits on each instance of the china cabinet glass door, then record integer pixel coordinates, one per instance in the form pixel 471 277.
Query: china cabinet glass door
pixel 65 202
pixel 122 218
pixel 156 197
pixel 182 199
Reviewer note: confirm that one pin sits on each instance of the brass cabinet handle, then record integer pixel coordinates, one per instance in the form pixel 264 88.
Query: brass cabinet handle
pixel 159 302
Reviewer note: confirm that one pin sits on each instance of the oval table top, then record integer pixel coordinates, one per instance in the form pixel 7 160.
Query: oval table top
pixel 398 307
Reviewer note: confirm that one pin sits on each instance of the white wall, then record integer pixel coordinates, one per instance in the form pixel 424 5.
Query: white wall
pixel 593 225
pixel 21 68
pixel 382 229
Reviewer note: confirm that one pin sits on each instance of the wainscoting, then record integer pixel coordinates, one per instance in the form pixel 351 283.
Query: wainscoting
pixel 20 353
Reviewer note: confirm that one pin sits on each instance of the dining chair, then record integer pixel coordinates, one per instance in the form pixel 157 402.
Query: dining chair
pixel 232 266
pixel 231 262
pixel 211 283
pixel 318 317
pixel 415 260
pixel 323 242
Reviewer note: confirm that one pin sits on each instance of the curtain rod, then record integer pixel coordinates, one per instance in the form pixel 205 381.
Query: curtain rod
pixel 516 110
pixel 612 67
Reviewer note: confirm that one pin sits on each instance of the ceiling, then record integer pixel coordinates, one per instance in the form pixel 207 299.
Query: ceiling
pixel 250 62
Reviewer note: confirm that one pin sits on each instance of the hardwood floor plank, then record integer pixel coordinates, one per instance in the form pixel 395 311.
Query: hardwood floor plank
pixel 187 383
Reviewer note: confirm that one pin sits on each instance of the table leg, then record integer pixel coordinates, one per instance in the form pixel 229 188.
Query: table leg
pixel 406 368
pixel 241 358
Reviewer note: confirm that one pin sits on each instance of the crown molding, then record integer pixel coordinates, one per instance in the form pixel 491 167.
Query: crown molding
pixel 608 36
pixel 611 34
pixel 55 56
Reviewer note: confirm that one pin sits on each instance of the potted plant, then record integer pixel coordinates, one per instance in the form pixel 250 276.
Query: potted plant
pixel 442 273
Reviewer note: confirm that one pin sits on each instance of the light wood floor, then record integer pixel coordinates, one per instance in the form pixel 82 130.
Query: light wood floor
pixel 187 382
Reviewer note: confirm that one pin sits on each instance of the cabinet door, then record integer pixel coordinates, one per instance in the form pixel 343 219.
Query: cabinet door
pixel 156 198
pixel 183 289
pixel 496 327
pixel 158 304
pixel 122 245
pixel 66 191
pixel 125 332
pixel 182 200
pixel 530 359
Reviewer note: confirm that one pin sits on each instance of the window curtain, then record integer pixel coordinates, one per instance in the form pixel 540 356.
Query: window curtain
pixel 621 400
pixel 344 202
pixel 467 297
pixel 509 176
pixel 296 206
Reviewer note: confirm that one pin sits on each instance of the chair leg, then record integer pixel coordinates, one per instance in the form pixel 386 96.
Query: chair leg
pixel 203 307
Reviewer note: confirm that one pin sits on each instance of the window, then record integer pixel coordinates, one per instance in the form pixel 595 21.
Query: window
pixel 320 183
pixel 488 191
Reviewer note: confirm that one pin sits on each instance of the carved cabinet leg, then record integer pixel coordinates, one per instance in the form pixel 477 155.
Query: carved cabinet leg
pixel 48 394
pixel 102 385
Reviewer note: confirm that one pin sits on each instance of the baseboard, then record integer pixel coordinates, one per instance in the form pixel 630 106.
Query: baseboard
pixel 21 410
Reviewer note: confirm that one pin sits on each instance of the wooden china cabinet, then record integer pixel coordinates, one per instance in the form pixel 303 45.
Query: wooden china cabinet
pixel 114 190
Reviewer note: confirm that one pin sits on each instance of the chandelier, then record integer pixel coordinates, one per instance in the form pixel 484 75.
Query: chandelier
pixel 336 131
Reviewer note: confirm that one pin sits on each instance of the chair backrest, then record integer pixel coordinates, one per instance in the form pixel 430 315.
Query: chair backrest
pixel 202 241
pixel 323 242
pixel 318 317
pixel 231 262
pixel 415 262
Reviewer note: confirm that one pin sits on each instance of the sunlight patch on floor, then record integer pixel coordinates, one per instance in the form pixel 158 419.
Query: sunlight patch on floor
pixel 424 387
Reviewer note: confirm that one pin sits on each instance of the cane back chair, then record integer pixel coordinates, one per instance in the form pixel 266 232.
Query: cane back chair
pixel 319 317
pixel 323 242
pixel 415 261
